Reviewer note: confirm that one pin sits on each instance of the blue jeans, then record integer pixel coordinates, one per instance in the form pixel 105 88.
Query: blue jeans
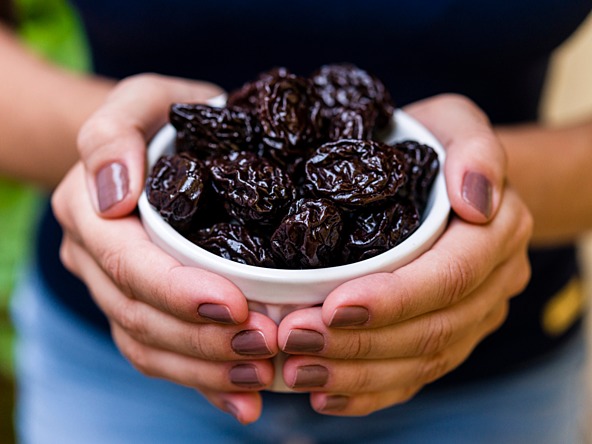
pixel 75 387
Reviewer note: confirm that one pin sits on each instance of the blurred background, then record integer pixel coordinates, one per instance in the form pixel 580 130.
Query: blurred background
pixel 51 28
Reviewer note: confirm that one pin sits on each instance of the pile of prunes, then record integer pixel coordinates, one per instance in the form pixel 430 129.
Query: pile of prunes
pixel 291 172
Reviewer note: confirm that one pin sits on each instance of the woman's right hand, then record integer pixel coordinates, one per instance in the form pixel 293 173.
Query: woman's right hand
pixel 170 321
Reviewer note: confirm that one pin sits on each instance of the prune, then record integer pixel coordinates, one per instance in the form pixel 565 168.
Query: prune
pixel 247 97
pixel 355 173
pixel 309 236
pixel 372 232
pixel 288 111
pixel 175 188
pixel 351 124
pixel 422 168
pixel 347 86
pixel 235 243
pixel 204 130
pixel 253 189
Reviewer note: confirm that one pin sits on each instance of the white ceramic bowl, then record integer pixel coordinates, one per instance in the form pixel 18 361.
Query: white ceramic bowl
pixel 276 292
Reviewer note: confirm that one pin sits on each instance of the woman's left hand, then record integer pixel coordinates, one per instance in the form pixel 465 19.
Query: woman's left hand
pixel 377 340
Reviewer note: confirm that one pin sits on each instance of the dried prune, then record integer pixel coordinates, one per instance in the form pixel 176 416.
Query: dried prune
pixel 288 112
pixel 422 168
pixel 235 243
pixel 175 188
pixel 205 130
pixel 253 189
pixel 309 236
pixel 351 124
pixel 347 86
pixel 372 232
pixel 355 173
pixel 247 97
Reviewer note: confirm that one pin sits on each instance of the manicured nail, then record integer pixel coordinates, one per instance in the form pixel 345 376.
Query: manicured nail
pixel 245 375
pixel 112 185
pixel 216 313
pixel 229 407
pixel 478 192
pixel 334 403
pixel 250 343
pixel 304 341
pixel 348 316
pixel 311 376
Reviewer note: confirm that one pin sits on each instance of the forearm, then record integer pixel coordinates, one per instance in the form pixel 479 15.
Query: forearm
pixel 550 168
pixel 41 110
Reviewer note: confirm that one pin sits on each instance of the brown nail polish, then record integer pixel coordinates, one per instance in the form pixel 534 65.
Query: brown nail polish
pixel 478 192
pixel 250 343
pixel 229 407
pixel 112 185
pixel 304 341
pixel 349 316
pixel 216 313
pixel 311 376
pixel 334 403
pixel 245 375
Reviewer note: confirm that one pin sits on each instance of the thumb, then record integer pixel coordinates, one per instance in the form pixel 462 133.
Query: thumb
pixel 476 163
pixel 112 143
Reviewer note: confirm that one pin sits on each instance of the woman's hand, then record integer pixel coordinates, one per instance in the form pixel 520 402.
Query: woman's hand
pixel 174 322
pixel 377 340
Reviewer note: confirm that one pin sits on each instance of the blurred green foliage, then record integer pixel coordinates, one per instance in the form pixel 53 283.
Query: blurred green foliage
pixel 52 30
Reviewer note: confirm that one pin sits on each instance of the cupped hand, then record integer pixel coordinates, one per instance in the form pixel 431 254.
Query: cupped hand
pixel 170 321
pixel 377 340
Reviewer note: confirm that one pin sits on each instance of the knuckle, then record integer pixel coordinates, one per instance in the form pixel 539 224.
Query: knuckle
pixel 359 346
pixel 361 381
pixel 457 277
pixel 437 336
pixel 130 319
pixel 113 262
pixel 432 367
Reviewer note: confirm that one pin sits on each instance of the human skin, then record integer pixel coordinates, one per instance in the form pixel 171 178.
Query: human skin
pixel 425 318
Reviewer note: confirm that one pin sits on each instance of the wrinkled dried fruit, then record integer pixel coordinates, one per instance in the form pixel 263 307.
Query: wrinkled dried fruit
pixel 175 188
pixel 349 87
pixel 309 236
pixel 422 167
pixel 355 173
pixel 253 189
pixel 288 112
pixel 205 130
pixel 372 232
pixel 289 174
pixel 235 243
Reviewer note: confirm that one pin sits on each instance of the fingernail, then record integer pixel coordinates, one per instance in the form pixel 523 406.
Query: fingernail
pixel 112 185
pixel 348 316
pixel 229 407
pixel 216 313
pixel 334 403
pixel 311 376
pixel 250 342
pixel 245 375
pixel 478 192
pixel 304 341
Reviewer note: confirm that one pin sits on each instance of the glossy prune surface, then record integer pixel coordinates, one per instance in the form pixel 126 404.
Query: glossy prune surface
pixel 291 173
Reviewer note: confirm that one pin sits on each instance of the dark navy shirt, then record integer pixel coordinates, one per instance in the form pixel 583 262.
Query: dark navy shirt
pixel 494 52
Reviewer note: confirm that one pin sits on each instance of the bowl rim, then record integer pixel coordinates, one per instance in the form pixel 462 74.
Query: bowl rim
pixel 433 222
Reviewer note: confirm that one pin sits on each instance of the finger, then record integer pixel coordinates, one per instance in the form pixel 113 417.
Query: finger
pixel 112 143
pixel 139 268
pixel 307 373
pixel 453 268
pixel 303 332
pixel 192 372
pixel 475 160
pixel 244 407
pixel 256 337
